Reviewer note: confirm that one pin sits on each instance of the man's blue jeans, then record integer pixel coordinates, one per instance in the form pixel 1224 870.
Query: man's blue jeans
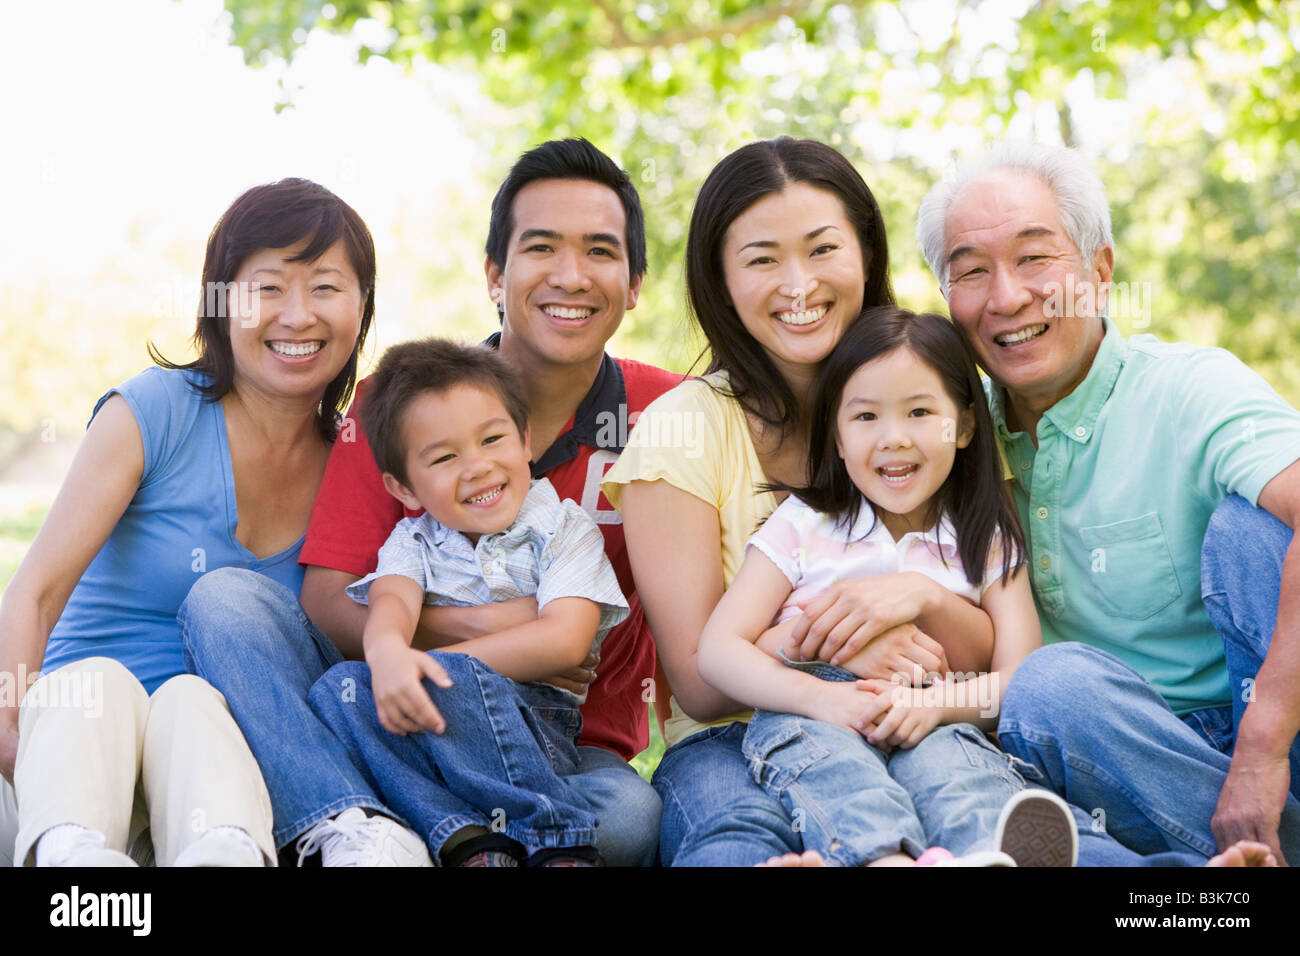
pixel 1102 737
pixel 854 803
pixel 248 636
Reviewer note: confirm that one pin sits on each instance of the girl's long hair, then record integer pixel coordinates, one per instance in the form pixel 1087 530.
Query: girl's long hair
pixel 974 495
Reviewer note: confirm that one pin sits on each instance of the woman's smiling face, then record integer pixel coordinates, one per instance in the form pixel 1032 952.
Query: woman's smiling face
pixel 794 272
pixel 294 324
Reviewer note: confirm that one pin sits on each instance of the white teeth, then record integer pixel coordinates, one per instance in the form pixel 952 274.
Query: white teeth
pixel 897 475
pixel 486 496
pixel 296 348
pixel 562 313
pixel 806 317
pixel 1024 335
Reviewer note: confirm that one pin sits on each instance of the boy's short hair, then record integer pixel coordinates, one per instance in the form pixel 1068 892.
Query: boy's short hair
pixel 409 370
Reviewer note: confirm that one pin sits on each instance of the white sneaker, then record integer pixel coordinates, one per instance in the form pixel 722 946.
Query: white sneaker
pixel 353 839
pixel 1036 828
pixel 222 846
pixel 73 845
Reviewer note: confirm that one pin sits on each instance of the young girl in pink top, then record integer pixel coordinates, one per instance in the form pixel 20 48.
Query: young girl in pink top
pixel 905 479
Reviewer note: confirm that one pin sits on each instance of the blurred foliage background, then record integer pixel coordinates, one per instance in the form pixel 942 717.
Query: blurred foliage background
pixel 1191 109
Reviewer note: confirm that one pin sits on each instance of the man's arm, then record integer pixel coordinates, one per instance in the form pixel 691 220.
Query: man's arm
pixel 1251 802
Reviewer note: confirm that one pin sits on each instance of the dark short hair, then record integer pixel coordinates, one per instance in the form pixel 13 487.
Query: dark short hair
pixel 740 180
pixel 409 370
pixel 567 159
pixel 974 495
pixel 274 216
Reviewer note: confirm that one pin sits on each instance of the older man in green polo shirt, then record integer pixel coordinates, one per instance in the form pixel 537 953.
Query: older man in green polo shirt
pixel 1120 452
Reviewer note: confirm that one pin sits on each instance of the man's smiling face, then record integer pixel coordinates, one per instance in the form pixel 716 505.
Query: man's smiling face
pixel 564 285
pixel 1006 251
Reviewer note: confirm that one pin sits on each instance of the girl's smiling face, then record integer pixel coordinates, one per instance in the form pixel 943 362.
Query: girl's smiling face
pixel 794 272
pixel 898 431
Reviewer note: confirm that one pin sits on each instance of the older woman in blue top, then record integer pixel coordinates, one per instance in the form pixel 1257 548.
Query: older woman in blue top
pixel 184 469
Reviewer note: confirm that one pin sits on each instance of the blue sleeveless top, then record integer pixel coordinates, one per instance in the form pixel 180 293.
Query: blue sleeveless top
pixel 180 525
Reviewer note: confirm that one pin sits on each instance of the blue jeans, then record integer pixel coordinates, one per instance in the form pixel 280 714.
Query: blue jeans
pixel 1105 739
pixel 499 764
pixel 713 812
pixel 854 803
pixel 248 636
pixel 1241 581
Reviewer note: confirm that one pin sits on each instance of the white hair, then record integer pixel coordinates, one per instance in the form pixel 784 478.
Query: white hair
pixel 1080 198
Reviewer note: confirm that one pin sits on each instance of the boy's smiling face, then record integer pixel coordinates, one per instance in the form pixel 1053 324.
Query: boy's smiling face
pixel 466 463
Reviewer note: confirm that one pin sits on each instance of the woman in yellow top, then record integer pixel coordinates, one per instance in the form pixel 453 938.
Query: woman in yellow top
pixel 786 248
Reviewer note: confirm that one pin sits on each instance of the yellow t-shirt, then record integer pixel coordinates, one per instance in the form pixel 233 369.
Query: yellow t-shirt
pixel 698 440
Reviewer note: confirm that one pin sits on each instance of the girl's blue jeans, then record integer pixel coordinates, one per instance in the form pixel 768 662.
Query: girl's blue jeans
pixel 854 803
pixel 1098 734
pixel 248 636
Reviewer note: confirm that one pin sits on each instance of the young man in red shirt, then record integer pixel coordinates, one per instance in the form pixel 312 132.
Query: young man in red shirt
pixel 565 260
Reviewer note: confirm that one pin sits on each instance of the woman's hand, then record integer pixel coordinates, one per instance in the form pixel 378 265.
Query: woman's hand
pixel 903 652
pixel 396 675
pixel 847 616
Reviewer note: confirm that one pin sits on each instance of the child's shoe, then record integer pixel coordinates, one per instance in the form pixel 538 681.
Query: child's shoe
pixel 1036 828
pixel 353 839
pixel 566 856
pixel 938 856
pixel 490 849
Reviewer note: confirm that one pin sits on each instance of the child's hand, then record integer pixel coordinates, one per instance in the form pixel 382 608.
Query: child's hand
pixel 404 705
pixel 902 715
pixel 846 704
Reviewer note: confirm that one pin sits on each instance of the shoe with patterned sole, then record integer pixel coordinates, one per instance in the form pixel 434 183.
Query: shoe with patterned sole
pixel 1036 828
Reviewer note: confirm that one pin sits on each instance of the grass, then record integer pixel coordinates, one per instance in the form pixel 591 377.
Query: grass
pixel 17 529
pixel 647 760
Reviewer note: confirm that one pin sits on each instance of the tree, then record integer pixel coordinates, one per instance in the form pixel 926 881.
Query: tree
pixel 1202 182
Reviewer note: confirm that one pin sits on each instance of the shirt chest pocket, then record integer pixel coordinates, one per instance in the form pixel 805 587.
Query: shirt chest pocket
pixel 1130 570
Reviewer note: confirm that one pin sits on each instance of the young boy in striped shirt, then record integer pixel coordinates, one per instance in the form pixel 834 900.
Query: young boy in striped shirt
pixel 485 785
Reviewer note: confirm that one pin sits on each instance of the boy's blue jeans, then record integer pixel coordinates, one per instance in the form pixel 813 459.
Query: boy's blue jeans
pixel 498 765
pixel 1098 734
pixel 248 636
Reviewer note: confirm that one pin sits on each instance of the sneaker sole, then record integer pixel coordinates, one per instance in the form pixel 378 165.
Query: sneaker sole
pixel 1037 829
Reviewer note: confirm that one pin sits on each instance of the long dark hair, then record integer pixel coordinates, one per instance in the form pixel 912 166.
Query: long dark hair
pixel 740 180
pixel 974 495
pixel 272 217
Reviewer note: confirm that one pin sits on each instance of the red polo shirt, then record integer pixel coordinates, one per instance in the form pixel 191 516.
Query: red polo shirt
pixel 354 515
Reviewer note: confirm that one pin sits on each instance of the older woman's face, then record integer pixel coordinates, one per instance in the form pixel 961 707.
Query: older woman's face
pixel 294 324
pixel 793 267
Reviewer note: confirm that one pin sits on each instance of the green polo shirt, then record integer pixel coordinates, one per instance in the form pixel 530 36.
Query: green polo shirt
pixel 1115 500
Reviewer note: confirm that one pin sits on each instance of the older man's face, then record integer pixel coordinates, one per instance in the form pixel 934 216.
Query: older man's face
pixel 1006 252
